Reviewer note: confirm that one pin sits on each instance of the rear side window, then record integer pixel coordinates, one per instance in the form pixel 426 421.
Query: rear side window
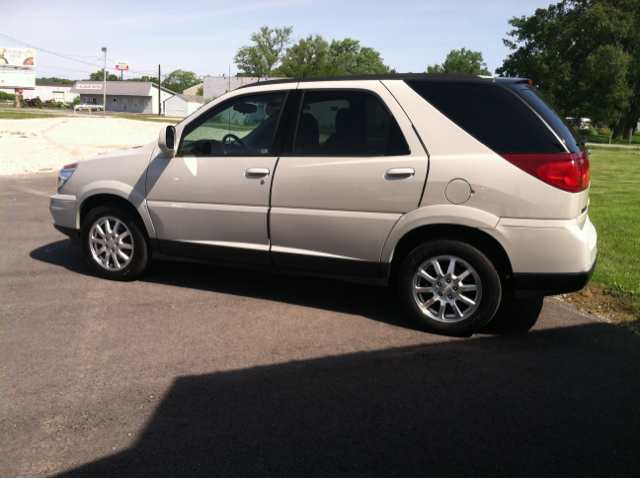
pixel 534 98
pixel 346 123
pixel 491 114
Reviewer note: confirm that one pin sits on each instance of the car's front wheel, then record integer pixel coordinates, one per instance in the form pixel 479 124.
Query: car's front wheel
pixel 449 287
pixel 115 244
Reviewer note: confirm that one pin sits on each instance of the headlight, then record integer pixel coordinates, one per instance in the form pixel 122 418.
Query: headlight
pixel 65 174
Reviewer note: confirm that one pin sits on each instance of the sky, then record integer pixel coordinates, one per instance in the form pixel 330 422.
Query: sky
pixel 204 36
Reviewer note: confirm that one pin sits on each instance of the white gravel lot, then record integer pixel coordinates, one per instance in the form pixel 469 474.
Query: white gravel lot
pixel 47 144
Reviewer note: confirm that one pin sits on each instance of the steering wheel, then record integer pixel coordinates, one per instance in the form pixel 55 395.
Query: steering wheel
pixel 238 142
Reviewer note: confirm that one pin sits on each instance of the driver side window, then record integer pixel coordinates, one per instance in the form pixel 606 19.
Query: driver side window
pixel 244 126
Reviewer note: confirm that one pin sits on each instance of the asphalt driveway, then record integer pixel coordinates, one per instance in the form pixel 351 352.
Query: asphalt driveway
pixel 206 371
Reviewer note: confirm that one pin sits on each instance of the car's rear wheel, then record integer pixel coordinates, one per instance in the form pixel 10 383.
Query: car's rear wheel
pixel 115 244
pixel 449 287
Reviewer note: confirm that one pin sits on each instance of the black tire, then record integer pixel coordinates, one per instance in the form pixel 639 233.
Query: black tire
pixel 458 302
pixel 134 245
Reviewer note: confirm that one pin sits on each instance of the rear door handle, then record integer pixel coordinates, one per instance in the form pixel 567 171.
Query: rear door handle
pixel 257 172
pixel 401 172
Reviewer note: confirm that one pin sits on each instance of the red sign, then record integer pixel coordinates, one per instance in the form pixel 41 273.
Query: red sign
pixel 20 91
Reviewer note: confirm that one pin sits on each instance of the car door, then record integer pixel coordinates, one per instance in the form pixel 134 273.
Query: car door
pixel 355 167
pixel 211 200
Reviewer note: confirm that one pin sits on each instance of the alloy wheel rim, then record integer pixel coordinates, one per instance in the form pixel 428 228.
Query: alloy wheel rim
pixel 447 289
pixel 111 243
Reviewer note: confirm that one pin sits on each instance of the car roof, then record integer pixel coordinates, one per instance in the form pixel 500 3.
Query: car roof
pixel 454 77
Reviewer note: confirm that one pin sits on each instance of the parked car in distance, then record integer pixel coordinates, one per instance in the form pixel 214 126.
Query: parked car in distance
pixel 463 192
pixel 88 106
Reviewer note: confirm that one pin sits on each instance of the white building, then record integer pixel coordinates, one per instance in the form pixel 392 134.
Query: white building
pixel 123 96
pixel 182 105
pixel 49 91
pixel 218 86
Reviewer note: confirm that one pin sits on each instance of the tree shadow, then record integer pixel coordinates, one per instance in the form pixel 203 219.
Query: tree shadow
pixel 559 402
pixel 375 303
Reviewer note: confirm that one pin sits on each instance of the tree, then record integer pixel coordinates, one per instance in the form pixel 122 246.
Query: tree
pixel 349 58
pixel 260 59
pixel 55 80
pixel 462 61
pixel 200 91
pixel 179 80
pixel 99 76
pixel 585 56
pixel 144 79
pixel 307 58
pixel 313 56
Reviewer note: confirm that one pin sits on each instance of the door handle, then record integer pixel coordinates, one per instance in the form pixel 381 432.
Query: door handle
pixel 401 172
pixel 257 172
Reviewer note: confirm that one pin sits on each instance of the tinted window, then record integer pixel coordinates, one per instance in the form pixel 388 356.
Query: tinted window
pixel 534 98
pixel 346 123
pixel 244 126
pixel 491 114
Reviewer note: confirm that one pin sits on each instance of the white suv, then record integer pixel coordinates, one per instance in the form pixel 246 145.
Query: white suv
pixel 462 191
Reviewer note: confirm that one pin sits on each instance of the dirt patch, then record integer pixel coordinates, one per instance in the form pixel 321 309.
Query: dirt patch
pixel 607 303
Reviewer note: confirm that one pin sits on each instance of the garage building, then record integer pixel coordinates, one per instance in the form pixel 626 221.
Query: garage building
pixel 123 96
pixel 182 105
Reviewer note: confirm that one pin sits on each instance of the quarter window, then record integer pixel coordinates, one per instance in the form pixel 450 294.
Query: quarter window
pixel 346 123
pixel 244 126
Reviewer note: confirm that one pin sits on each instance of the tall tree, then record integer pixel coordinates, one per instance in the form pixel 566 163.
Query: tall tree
pixel 462 61
pixel 260 59
pixel 307 58
pixel 314 56
pixel 99 76
pixel 179 80
pixel 585 56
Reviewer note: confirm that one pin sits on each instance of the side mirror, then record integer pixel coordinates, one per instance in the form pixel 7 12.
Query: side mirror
pixel 167 141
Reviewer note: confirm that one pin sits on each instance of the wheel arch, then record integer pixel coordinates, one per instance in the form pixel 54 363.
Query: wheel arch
pixel 476 237
pixel 99 199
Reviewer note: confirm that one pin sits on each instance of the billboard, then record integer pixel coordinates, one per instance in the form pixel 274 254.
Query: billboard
pixel 17 57
pixel 10 78
pixel 122 65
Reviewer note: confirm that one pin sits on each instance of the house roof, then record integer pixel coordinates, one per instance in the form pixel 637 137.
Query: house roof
pixel 117 88
pixel 191 98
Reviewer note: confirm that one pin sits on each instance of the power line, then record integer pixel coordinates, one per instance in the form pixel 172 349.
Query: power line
pixel 68 57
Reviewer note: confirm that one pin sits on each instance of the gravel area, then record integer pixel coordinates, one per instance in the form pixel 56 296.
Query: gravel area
pixel 44 145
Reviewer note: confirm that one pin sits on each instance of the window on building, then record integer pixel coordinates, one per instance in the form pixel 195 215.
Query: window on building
pixel 94 100
pixel 146 103
pixel 115 102
pixel 135 102
pixel 124 103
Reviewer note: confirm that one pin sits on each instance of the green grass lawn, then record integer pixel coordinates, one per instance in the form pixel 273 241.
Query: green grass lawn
pixel 615 211
pixel 595 136
pixel 20 114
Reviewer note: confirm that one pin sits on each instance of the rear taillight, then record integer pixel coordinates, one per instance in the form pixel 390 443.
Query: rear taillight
pixel 567 171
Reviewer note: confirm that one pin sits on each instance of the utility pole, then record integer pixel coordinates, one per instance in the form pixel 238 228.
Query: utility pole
pixel 104 83
pixel 159 93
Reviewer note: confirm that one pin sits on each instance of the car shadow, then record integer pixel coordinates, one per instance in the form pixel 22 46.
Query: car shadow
pixel 560 402
pixel 375 303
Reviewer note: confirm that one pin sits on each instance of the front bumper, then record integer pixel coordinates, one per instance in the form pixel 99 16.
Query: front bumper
pixel 64 210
